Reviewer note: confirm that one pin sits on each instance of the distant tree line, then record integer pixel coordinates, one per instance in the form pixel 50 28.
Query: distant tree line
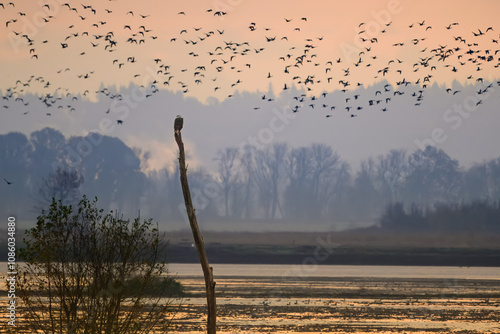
pixel 47 165
pixel 276 183
pixel 478 216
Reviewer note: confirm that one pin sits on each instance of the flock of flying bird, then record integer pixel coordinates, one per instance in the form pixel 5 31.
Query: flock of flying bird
pixel 309 75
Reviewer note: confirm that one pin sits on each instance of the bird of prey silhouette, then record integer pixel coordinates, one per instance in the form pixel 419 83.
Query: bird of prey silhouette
pixel 178 123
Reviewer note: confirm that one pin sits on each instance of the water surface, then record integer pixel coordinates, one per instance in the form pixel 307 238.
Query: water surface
pixel 272 270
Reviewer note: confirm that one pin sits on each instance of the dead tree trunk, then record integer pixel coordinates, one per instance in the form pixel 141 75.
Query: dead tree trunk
pixel 198 239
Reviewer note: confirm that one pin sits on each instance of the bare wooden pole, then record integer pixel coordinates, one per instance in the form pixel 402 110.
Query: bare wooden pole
pixel 198 239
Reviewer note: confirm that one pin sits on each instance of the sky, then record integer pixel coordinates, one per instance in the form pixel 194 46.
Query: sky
pixel 212 53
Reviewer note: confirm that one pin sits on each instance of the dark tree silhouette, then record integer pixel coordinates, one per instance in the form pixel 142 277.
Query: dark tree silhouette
pixel 15 161
pixel 62 185
pixel 112 172
pixel 89 272
pixel 434 178
pixel 48 147
pixel 268 175
pixel 368 199
pixel 229 169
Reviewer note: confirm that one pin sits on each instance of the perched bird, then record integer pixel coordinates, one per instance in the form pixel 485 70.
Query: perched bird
pixel 178 123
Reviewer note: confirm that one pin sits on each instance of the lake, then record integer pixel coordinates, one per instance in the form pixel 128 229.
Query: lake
pixel 339 299
pixel 273 270
pixel 254 270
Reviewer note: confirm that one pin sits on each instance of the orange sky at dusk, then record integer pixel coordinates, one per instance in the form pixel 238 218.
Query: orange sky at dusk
pixel 316 45
pixel 335 22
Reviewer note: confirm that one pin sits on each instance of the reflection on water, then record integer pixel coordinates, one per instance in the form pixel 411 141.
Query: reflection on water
pixel 252 270
pixel 339 299
pixel 307 270
pixel 343 305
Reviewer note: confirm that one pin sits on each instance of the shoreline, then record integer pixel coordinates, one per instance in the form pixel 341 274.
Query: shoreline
pixel 263 254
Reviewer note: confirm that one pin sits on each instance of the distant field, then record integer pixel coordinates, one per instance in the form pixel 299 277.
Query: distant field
pixel 369 237
pixel 361 247
pixel 350 238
